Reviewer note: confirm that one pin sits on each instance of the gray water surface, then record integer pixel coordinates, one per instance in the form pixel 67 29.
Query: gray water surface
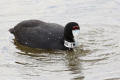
pixel 97 58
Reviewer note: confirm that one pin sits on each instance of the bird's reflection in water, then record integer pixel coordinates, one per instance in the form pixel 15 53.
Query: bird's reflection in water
pixel 72 61
pixel 74 64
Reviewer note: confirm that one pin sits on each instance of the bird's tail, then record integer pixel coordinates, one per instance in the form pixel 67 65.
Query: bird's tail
pixel 11 30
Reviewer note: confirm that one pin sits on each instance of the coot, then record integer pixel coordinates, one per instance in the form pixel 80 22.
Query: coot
pixel 39 34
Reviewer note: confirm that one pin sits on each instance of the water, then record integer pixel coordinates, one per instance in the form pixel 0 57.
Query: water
pixel 97 57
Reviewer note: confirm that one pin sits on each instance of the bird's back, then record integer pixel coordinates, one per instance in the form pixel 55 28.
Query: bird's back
pixel 38 34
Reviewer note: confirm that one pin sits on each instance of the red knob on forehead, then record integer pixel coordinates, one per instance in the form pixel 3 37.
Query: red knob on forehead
pixel 75 27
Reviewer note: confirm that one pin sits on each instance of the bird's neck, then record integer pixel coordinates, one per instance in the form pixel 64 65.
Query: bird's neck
pixel 69 44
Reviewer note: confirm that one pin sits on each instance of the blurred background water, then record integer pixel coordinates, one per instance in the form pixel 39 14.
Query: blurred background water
pixel 97 58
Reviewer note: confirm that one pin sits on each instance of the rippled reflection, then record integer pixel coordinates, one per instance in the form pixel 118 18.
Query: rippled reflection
pixel 70 59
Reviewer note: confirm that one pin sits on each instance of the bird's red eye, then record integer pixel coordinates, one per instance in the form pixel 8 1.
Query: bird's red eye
pixel 75 27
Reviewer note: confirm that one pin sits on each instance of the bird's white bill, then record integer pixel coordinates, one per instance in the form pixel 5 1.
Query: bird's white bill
pixel 76 37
